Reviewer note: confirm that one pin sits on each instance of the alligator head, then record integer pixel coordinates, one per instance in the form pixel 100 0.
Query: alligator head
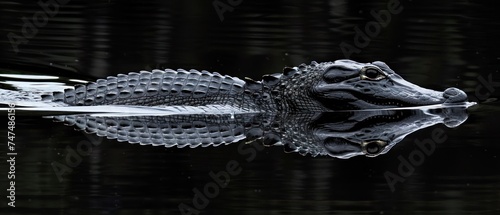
pixel 349 85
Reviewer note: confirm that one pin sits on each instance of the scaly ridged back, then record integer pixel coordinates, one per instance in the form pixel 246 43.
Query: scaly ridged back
pixel 156 88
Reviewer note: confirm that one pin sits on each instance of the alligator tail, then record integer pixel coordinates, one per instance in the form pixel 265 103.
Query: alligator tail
pixel 155 88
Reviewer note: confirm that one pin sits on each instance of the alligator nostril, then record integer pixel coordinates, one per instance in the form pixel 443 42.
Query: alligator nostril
pixel 454 95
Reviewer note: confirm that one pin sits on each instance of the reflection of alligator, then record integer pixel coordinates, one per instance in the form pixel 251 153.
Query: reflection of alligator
pixel 336 134
pixel 318 87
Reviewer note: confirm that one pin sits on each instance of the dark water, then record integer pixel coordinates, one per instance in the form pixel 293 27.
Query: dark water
pixel 435 44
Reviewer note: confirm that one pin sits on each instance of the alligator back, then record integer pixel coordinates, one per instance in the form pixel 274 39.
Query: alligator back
pixel 158 88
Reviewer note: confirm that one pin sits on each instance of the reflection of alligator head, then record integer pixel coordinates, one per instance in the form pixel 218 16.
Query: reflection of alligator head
pixel 370 133
pixel 318 87
pixel 336 134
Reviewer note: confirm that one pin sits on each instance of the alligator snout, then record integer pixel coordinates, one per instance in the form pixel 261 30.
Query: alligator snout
pixel 454 95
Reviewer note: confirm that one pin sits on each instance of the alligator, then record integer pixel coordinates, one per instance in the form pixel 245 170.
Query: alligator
pixel 317 87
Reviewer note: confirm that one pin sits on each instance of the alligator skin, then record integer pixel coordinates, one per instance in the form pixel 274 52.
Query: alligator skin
pixel 164 88
pixel 318 87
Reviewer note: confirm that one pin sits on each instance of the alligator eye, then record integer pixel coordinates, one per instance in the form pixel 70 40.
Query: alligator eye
pixel 373 148
pixel 371 73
